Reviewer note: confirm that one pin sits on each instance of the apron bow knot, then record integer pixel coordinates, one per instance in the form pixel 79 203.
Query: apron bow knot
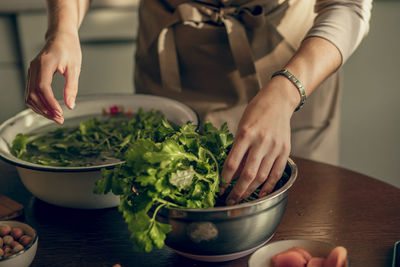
pixel 233 18
pixel 250 16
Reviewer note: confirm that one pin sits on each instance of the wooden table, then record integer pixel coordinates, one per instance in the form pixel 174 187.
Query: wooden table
pixel 326 203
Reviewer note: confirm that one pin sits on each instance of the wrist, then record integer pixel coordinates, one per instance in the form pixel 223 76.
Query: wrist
pixel 53 33
pixel 63 18
pixel 286 91
pixel 299 86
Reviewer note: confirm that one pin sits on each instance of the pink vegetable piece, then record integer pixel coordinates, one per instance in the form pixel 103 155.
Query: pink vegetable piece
pixel 336 258
pixel 288 258
pixel 306 255
pixel 115 110
pixel 316 262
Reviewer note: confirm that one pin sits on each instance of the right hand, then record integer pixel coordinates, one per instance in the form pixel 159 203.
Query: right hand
pixel 62 53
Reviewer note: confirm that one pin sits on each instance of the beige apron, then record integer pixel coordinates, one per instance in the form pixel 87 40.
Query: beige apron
pixel 214 55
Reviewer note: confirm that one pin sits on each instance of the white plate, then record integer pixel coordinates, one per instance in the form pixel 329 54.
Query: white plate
pixel 262 257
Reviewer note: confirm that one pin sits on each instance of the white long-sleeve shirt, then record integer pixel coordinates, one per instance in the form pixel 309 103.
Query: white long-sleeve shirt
pixel 342 22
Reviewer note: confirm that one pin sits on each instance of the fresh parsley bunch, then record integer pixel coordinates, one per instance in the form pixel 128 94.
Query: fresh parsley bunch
pixel 179 167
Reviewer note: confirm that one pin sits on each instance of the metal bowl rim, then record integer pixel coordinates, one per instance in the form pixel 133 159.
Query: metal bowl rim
pixel 276 194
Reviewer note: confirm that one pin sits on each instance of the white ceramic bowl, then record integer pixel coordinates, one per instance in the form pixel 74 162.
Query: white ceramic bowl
pixel 25 257
pixel 73 186
pixel 262 257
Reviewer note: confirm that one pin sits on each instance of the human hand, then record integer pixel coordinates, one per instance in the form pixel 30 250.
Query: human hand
pixel 262 142
pixel 62 53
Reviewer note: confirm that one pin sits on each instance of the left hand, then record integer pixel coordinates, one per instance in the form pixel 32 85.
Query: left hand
pixel 262 142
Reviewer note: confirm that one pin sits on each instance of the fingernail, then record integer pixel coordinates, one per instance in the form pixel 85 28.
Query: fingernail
pixel 230 202
pixel 71 101
pixel 59 120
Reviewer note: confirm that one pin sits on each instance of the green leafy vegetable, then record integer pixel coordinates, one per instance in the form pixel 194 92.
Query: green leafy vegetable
pixel 19 144
pixel 180 168
pixel 94 141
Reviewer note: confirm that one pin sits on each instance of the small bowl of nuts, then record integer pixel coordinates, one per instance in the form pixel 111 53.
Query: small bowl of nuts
pixel 18 244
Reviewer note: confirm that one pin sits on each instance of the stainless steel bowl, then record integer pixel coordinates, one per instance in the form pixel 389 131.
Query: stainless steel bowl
pixel 73 186
pixel 229 232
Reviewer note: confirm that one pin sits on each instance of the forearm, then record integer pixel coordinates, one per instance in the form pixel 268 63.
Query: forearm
pixel 337 31
pixel 65 15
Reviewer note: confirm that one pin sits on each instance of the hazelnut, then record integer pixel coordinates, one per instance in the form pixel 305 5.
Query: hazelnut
pixel 17 233
pixel 1 242
pixel 25 240
pixel 17 248
pixel 5 230
pixel 8 240
pixel 1 253
pixel 7 249
pixel 14 244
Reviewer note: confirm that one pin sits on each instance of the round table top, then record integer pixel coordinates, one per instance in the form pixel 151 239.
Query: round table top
pixel 326 203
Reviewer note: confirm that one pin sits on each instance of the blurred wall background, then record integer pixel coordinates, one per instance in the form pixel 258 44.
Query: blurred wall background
pixel 370 120
pixel 370 100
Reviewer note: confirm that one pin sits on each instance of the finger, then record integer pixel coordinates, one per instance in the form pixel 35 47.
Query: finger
pixel 31 98
pixel 36 109
pixel 71 86
pixel 32 105
pixel 57 118
pixel 274 175
pixel 264 170
pixel 45 77
pixel 37 105
pixel 232 162
pixel 248 174
pixel 223 185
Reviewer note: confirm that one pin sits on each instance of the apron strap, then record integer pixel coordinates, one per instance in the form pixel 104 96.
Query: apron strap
pixel 196 14
pixel 168 60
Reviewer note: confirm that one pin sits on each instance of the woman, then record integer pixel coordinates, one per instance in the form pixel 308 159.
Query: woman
pixel 218 56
